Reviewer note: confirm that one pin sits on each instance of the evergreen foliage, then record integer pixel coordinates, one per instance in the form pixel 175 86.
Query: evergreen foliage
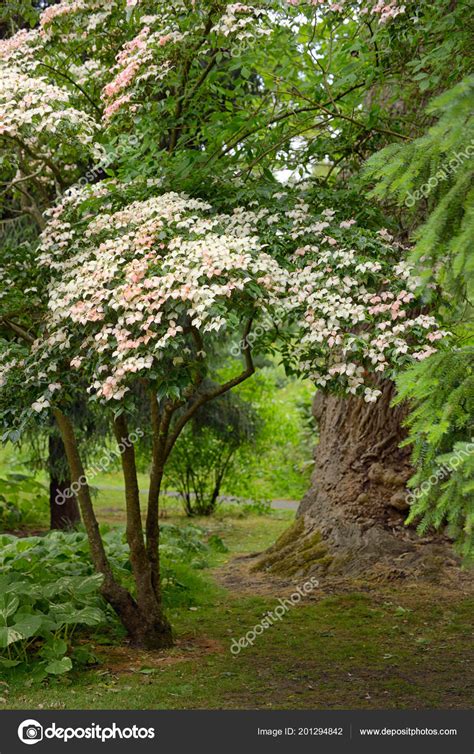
pixel 433 177
pixel 441 428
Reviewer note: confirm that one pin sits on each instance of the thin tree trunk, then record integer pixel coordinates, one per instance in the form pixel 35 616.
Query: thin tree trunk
pixel 63 506
pixel 117 596
pixel 220 474
pixel 160 427
pixel 154 629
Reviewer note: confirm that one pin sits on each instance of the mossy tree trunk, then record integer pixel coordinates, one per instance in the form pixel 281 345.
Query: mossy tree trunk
pixel 352 519
pixel 358 494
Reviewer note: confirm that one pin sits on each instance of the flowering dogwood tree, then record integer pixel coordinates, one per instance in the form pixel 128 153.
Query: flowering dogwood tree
pixel 44 134
pixel 143 286
pixel 148 287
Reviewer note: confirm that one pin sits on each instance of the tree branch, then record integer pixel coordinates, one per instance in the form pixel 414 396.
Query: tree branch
pixel 18 330
pixel 199 399
pixel 74 83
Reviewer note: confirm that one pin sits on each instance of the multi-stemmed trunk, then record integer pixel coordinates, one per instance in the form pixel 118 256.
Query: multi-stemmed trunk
pixel 142 615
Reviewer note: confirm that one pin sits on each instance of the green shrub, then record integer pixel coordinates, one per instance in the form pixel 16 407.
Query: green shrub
pixel 206 454
pixel 49 592
pixel 37 620
pixel 22 500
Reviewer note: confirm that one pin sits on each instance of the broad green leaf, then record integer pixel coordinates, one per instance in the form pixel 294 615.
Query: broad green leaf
pixel 28 625
pixel 8 605
pixel 59 667
pixel 5 663
pixel 9 635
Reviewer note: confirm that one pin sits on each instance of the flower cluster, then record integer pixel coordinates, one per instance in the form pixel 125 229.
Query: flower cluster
pixel 383 9
pixel 239 19
pixel 144 288
pixel 40 118
pixel 141 58
pixel 95 11
pixel 137 280
pixel 66 47
pixel 360 312
pixel 20 48
pixel 165 43
pixel 357 306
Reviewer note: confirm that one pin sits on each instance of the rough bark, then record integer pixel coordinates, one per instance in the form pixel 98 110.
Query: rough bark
pixel 352 518
pixel 64 508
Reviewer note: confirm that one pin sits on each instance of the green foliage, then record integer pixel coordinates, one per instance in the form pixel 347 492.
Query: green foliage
pixel 49 592
pixel 441 426
pixel 257 508
pixel 39 611
pixel 15 13
pixel 22 499
pixel 434 175
pixel 279 464
pixel 206 452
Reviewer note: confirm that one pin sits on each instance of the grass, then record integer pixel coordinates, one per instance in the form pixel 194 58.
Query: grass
pixel 407 646
pixel 346 651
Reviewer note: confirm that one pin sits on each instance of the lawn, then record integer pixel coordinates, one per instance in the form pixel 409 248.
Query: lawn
pixel 349 645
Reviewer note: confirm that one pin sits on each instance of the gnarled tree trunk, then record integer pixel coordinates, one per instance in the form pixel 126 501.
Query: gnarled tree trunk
pixel 358 493
pixel 353 517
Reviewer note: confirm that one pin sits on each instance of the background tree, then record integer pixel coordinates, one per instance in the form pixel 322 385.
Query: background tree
pixel 359 501
pixel 205 454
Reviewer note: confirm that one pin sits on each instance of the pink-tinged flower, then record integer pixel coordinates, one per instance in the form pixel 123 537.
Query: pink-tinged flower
pixel 437 335
pixel 122 80
pixel 54 11
pixel 115 105
pixel 347 223
pixel 11 44
pixel 383 233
